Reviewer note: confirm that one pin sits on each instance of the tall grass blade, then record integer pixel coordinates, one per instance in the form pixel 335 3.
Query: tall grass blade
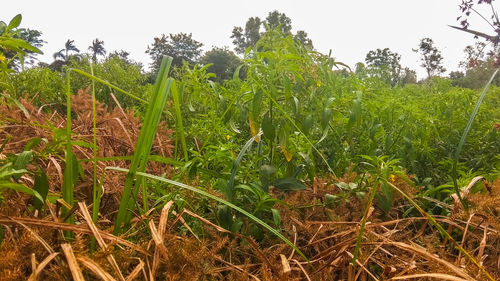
pixel 144 144
pixel 464 136
pixel 222 201
pixel 104 82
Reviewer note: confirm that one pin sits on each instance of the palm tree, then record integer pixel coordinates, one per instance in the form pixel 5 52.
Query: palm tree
pixel 97 49
pixel 69 46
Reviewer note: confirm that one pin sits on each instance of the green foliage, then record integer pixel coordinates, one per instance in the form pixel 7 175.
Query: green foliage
pixel 116 70
pixel 223 63
pixel 40 85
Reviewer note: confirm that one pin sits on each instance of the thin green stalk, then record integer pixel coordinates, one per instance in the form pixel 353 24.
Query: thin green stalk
pixel 373 191
pixel 68 178
pixel 95 201
pixel 222 201
pixel 180 126
pixel 464 136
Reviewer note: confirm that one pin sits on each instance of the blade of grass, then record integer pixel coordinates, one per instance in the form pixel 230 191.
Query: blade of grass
pixel 159 159
pixel 144 143
pixel 464 136
pixel 222 201
pixel 92 77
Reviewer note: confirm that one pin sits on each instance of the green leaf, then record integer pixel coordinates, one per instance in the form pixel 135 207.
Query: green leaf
pixel 236 75
pixel 15 22
pixel 18 45
pixel 233 127
pixel 325 117
pixel 267 170
pixel 21 188
pixel 268 127
pixel 236 226
pixel 224 216
pixel 288 183
pixel 276 217
pixel 33 142
pixel 331 200
pixel 307 124
pixel 256 104
pixel 42 187
pixel 22 161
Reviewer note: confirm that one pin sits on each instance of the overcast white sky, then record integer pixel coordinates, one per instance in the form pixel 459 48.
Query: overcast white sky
pixel 349 28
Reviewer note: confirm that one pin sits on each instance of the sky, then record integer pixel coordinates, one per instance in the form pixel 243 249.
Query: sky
pixel 348 28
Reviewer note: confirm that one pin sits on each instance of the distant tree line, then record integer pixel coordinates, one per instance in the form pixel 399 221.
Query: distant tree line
pixel 383 64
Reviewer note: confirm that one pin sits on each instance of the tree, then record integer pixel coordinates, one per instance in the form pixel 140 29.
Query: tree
pixel 247 39
pixel 279 20
pixel 224 63
pixel 478 67
pixel 408 76
pixel 181 47
pixel 386 63
pixel 302 37
pixel 474 55
pixel 64 54
pixel 431 58
pixel 242 39
pixel 97 49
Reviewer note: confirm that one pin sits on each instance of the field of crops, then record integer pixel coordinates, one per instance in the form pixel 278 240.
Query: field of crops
pixel 294 168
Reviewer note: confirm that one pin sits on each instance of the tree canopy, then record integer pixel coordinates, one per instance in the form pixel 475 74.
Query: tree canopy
pixel 248 37
pixel 224 62
pixel 181 47
pixel 431 57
